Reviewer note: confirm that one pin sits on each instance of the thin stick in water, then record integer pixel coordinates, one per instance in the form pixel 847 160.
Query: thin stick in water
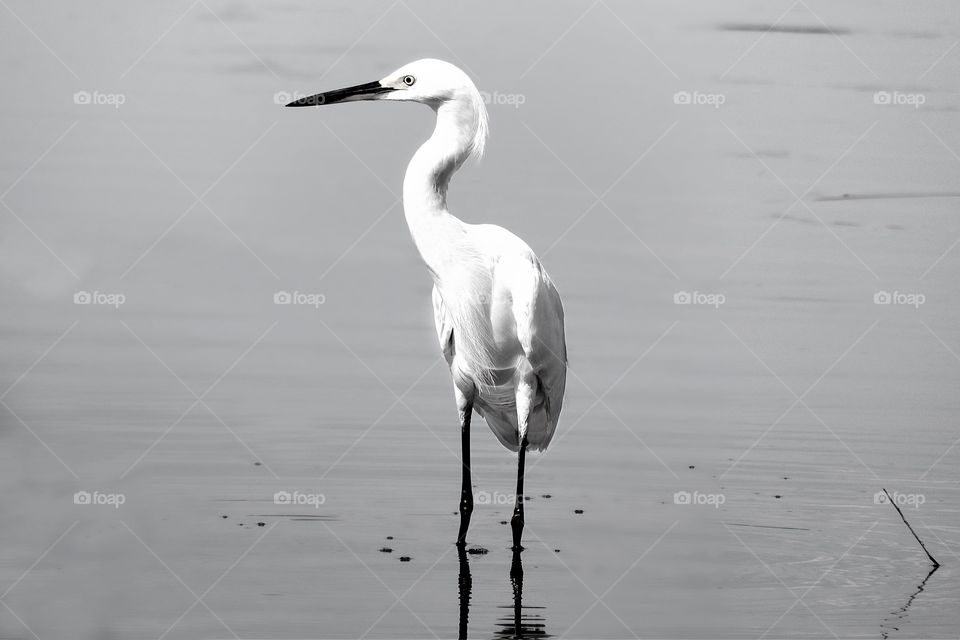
pixel 902 517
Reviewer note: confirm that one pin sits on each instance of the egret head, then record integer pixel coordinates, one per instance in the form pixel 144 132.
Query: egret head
pixel 435 83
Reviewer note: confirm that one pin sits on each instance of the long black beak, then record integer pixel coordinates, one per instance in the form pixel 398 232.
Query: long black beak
pixel 349 94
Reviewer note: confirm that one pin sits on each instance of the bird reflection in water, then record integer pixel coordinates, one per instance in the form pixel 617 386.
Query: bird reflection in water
pixel 521 622
pixel 465 582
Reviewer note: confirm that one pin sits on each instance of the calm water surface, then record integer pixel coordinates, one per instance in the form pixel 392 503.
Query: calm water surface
pixel 781 411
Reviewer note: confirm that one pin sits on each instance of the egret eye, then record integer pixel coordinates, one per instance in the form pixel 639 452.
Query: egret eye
pixel 409 80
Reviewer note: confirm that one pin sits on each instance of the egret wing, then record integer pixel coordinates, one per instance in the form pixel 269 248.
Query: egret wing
pixel 549 352
pixel 444 326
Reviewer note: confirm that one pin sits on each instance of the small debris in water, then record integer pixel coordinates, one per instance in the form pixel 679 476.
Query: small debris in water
pixel 785 478
pixel 405 558
pixel 386 550
pixel 691 467
pixel 389 537
pixel 556 550
pixel 239 524
pixel 477 551
pixel 778 496
pixel 547 496
pixel 257 464
pixel 224 517
pixel 578 510
pixel 503 522
pixel 527 498
pixel 765 526
pixel 261 524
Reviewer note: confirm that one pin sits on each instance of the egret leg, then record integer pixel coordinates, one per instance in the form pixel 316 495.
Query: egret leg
pixel 465 408
pixel 516 522
pixel 526 393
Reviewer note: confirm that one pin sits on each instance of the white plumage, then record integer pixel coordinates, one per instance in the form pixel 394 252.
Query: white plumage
pixel 498 315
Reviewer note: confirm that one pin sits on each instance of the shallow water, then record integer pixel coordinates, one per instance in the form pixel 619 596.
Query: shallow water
pixel 791 404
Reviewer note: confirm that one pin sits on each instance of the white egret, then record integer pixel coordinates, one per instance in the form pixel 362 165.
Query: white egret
pixel 498 315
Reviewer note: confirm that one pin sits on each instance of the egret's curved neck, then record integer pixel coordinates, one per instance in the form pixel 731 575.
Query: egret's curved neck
pixel 427 178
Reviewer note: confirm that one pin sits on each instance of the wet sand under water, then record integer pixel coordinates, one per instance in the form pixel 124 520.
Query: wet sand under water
pixel 781 413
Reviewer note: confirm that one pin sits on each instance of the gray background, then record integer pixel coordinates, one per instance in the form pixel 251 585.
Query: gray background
pixel 198 198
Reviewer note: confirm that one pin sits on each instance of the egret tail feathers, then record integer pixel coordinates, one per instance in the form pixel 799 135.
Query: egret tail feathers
pixel 502 420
